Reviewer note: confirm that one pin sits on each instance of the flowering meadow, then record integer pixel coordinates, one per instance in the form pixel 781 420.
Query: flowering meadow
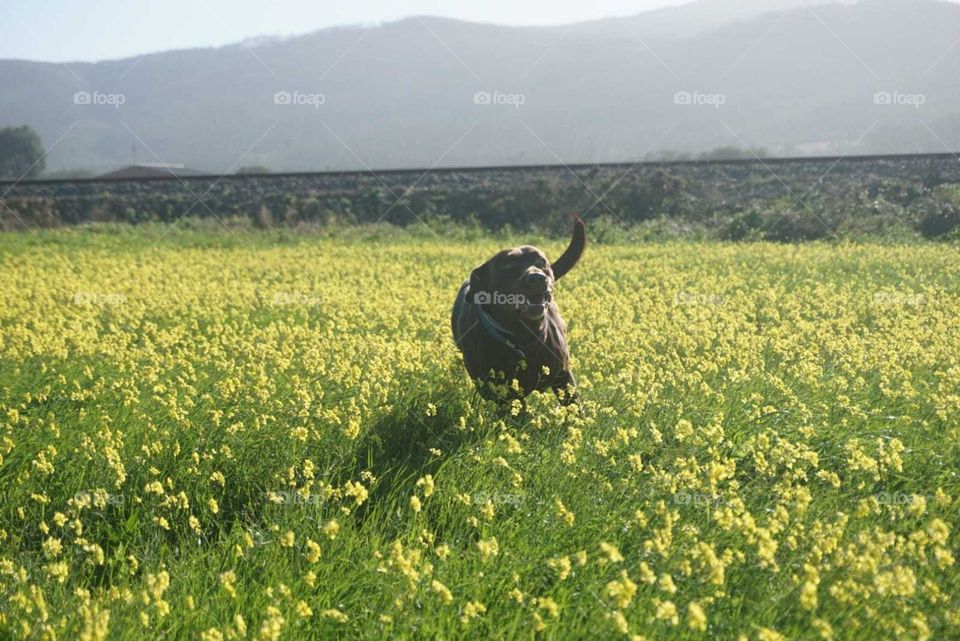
pixel 220 436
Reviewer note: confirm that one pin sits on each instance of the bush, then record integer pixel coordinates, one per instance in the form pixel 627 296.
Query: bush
pixel 606 230
pixel 643 197
pixel 744 226
pixel 797 226
pixel 940 223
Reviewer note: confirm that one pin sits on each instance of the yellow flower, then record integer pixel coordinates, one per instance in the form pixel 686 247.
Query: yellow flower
pixel 941 498
pixel 683 430
pixel 565 515
pixel 272 624
pixel 303 610
pixel 472 610
pixel 488 548
pixel 313 551
pixel 211 634
pixel 549 606
pixel 441 591
pixel 52 548
pixel 487 511
pixel 666 610
pixel 611 553
pixel 357 491
pixel 666 584
pixel 240 624
pixel 696 617
pixel 331 529
pixel 561 565
pixel 539 625
pixel 58 571
pixel 808 591
pixel 619 621
pixel 427 484
pixel 823 629
pixel 622 591
pixel 228 580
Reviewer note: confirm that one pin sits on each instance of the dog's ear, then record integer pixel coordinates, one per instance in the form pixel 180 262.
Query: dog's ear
pixel 479 280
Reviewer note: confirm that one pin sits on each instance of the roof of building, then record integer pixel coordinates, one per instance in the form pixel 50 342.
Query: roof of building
pixel 152 170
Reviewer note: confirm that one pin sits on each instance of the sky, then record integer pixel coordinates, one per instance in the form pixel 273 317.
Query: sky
pixel 90 30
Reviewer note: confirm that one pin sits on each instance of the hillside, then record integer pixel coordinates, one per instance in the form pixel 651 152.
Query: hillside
pixel 797 80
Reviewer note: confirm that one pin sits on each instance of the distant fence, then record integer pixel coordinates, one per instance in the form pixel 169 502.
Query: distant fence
pixel 779 198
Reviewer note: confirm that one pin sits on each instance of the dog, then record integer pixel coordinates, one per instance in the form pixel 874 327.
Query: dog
pixel 507 325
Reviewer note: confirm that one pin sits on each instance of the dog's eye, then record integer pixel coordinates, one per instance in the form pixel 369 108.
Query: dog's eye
pixel 541 263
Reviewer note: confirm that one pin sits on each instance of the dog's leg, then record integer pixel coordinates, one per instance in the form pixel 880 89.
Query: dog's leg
pixel 508 413
pixel 565 387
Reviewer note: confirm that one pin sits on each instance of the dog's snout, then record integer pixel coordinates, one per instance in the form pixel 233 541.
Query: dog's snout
pixel 535 279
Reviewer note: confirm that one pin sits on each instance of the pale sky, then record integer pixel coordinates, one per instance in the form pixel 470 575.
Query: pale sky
pixel 88 30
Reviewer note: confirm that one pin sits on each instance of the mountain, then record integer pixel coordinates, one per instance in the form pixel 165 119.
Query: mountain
pixel 692 19
pixel 875 76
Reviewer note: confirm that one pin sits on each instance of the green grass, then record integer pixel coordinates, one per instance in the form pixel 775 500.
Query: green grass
pixel 131 356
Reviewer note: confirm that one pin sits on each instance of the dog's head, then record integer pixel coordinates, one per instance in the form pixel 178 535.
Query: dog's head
pixel 520 280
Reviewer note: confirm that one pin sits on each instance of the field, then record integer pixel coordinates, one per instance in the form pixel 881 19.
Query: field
pixel 271 436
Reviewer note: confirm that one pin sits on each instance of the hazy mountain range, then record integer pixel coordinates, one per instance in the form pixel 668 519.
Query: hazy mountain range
pixel 794 77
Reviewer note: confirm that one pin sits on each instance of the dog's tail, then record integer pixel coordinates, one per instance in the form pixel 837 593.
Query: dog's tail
pixel 573 253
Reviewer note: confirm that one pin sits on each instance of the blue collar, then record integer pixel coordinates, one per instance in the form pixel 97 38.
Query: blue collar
pixel 501 334
pixel 496 330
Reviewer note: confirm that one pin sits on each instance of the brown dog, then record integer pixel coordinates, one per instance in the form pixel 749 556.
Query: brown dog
pixel 508 327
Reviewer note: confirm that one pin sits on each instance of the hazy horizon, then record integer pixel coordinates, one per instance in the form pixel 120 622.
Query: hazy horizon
pixel 739 74
pixel 57 31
